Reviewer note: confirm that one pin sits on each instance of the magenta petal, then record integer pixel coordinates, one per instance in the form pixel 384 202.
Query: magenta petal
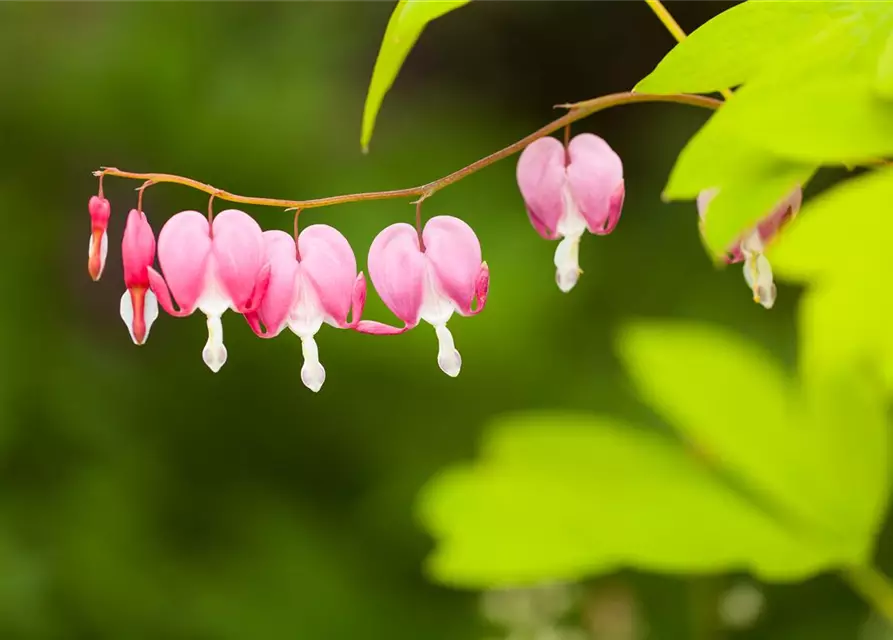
pixel 239 254
pixel 280 255
pixel 541 175
pixel 137 249
pixel 159 288
pixel 380 329
pixel 328 260
pixel 358 301
pixel 786 209
pixel 594 175
pixel 397 269
pixel 454 252
pixel 184 246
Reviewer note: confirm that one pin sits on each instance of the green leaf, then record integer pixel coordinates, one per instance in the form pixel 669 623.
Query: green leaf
pixel 404 28
pixel 799 449
pixel 844 323
pixel 736 45
pixel 779 478
pixel 751 181
pixel 844 231
pixel 775 42
pixel 883 80
pixel 559 497
pixel 822 119
pixel 740 205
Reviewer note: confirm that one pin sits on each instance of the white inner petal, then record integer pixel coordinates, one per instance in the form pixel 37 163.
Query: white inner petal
pixel 567 263
pixel 103 251
pixel 150 313
pixel 305 319
pixel 214 353
pixel 214 302
pixel 127 313
pixel 758 275
pixel 313 374
pixel 448 358
pixel 150 306
pixel 436 310
pixel 571 227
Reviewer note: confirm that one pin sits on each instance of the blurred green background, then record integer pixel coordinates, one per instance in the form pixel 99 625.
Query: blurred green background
pixel 142 496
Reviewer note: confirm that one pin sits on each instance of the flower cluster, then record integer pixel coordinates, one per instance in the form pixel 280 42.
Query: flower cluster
pixel 227 262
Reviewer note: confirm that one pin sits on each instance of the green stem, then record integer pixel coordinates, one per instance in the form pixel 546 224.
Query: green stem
pixel 874 587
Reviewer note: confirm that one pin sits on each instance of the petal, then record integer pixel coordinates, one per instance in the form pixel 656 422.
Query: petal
pixel 280 254
pixel 567 263
pixel 137 249
pixel 313 374
pixel 733 253
pixel 139 309
pixel 448 358
pixel 541 175
pixel 238 246
pixel 100 211
pixel 454 252
pixel 397 270
pixel 159 287
pixel 782 214
pixel 374 328
pixel 184 246
pixel 328 260
pixel 214 353
pixel 594 175
pixel 97 253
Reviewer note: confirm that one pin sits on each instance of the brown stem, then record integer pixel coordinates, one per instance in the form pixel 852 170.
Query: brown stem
pixel 418 223
pixel 139 197
pixel 576 112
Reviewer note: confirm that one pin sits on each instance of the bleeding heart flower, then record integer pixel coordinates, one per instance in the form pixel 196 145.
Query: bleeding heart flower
pixel 569 191
pixel 750 247
pixel 211 267
pixel 428 284
pixel 314 284
pixel 139 307
pixel 98 249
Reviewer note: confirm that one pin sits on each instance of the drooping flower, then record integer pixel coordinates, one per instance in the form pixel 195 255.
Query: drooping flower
pixel 570 191
pixel 98 249
pixel 315 284
pixel 211 267
pixel 139 306
pixel 750 247
pixel 429 283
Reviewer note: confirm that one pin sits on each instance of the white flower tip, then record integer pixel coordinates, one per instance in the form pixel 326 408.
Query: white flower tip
pixel 448 358
pixel 133 304
pixel 758 275
pixel 450 363
pixel 567 280
pixel 214 353
pixel 567 263
pixel 214 356
pixel 313 375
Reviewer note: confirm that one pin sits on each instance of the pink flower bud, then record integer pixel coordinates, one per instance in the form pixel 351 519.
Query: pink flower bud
pixel 139 306
pixel 211 268
pixel 429 285
pixel 570 191
pixel 750 246
pixel 315 285
pixel 98 249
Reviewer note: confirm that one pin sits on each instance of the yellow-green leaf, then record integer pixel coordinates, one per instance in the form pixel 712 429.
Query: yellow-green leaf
pixel 560 497
pixel 404 28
